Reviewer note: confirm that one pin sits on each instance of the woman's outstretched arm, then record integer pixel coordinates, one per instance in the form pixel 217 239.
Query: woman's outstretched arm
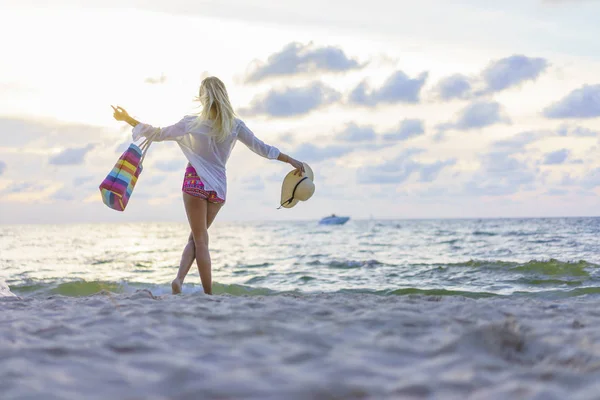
pixel 173 132
pixel 246 136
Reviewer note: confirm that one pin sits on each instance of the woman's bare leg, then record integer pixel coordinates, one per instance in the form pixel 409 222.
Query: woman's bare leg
pixel 197 213
pixel 187 259
pixel 189 252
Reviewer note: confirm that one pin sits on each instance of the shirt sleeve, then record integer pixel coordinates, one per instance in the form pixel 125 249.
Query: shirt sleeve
pixel 173 132
pixel 247 137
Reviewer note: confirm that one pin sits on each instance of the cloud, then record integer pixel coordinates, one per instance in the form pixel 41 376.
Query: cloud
pixel 296 58
pixel 154 180
pixel 71 156
pixel 497 76
pixel 430 172
pixel 398 88
pixel 177 164
pixel 82 180
pixel 401 169
pixel 577 131
pixel 511 71
pixel 476 116
pixel 396 171
pixel 457 86
pixel 518 143
pixel 355 133
pixel 25 187
pixel 408 128
pixel 557 192
pixel 287 137
pixel 580 103
pixel 254 183
pixel 308 152
pixel 18 131
pixel 156 80
pixel 556 157
pixel 592 179
pixel 62 195
pixel 290 102
pixel 500 174
pixel 2 167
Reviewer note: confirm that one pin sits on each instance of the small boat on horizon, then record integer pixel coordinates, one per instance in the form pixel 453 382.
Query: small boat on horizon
pixel 334 220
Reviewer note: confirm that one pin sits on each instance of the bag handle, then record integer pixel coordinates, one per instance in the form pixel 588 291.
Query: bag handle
pixel 145 145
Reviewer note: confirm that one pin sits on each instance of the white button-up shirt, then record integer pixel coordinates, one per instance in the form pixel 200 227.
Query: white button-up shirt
pixel 207 156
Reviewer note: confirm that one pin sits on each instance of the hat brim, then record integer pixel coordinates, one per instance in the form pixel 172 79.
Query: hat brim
pixel 289 183
pixel 290 204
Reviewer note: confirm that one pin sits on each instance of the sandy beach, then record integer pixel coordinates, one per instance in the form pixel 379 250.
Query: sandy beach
pixel 141 346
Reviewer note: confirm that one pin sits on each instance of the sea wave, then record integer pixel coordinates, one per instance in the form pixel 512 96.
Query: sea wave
pixel 551 267
pixel 346 264
pixel 87 288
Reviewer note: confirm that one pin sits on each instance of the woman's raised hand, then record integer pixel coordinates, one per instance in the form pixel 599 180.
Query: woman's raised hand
pixel 120 114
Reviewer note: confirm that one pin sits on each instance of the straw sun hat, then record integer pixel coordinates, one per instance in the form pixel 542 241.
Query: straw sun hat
pixel 297 187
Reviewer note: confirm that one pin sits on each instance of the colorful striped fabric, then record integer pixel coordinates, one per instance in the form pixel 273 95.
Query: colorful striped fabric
pixel 117 187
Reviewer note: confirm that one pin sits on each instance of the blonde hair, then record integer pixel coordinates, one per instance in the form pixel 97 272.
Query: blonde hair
pixel 216 107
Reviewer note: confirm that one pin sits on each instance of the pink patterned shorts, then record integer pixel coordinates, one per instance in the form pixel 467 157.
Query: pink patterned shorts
pixel 193 185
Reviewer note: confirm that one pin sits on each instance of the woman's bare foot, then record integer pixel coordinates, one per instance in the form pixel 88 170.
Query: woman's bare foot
pixel 176 286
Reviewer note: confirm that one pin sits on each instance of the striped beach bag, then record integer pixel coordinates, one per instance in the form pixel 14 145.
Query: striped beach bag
pixel 117 187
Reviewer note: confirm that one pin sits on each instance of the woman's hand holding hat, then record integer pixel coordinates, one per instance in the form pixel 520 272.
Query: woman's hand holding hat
pixel 294 163
pixel 298 165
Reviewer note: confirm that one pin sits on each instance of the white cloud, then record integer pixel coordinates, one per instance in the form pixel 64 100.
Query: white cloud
pixel 292 101
pixel 356 133
pixel 177 164
pixel 297 58
pixel 556 157
pixel 253 183
pixel 2 167
pixel 512 71
pixel 407 129
pixel 477 115
pixel 308 152
pixel 401 168
pixel 430 172
pixel 156 80
pixel 499 75
pixel 580 103
pixel 591 179
pixel 501 174
pixel 21 131
pixel 577 131
pixel 398 88
pixel 517 143
pixel 457 86
pixel 156 179
pixel 82 180
pixel 71 156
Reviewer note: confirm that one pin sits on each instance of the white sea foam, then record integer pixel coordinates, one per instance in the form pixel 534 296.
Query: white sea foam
pixel 335 346
pixel 4 290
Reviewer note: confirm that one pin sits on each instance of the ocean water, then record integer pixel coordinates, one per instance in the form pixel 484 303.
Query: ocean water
pixel 540 258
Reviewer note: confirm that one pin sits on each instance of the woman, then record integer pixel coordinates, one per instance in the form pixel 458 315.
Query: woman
pixel 206 140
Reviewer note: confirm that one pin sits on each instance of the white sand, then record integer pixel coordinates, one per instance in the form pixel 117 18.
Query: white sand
pixel 285 347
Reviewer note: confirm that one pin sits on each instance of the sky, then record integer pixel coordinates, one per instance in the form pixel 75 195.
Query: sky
pixel 403 109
